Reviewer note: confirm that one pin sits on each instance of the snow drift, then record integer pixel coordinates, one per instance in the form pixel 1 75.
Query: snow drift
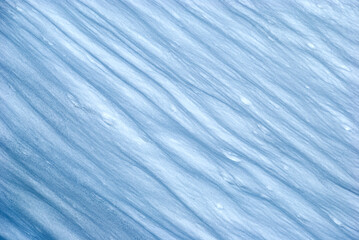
pixel 179 119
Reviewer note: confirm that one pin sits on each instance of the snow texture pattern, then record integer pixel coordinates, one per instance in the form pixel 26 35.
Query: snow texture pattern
pixel 179 119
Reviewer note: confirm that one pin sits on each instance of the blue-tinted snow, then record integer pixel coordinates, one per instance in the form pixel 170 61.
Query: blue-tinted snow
pixel 179 119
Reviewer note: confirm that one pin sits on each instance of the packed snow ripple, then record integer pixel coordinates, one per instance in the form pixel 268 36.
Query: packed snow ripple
pixel 179 119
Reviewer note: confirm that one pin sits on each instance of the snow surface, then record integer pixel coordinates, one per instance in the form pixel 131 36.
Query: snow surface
pixel 179 119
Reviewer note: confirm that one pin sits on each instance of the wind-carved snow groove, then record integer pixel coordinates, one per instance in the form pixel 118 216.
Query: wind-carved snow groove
pixel 179 120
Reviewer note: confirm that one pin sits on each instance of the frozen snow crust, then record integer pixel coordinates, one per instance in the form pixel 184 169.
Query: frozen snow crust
pixel 179 119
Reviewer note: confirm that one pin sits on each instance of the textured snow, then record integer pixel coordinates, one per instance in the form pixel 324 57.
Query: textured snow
pixel 179 119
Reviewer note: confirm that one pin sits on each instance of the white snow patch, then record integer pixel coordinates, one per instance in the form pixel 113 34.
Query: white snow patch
pixel 108 119
pixel 347 128
pixel 311 45
pixel 219 206
pixel 336 221
pixel 245 100
pixel 232 157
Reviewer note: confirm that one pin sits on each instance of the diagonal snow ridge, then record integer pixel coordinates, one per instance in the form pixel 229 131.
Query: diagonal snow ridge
pixel 181 119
